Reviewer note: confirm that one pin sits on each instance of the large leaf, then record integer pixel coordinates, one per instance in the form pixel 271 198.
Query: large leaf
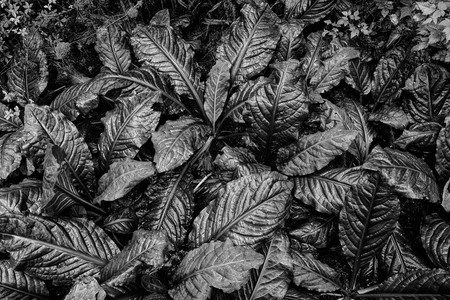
pixel 15 198
pixel 326 190
pixel 122 177
pixel 248 210
pixel 58 250
pixel 308 11
pixel 16 285
pixel 313 274
pixel 315 151
pixel 367 220
pixel 158 46
pixel 428 91
pixel 112 48
pixel 9 119
pixel 216 264
pixel 271 281
pixel 333 70
pixel 291 40
pixel 128 127
pixel 408 175
pixel 419 137
pixel 170 206
pixel 359 76
pixel 216 92
pixel 46 126
pixel 397 255
pixel 277 109
pixel 10 152
pixel 176 141
pixel 251 42
pixel 443 150
pixel 28 75
pixel 435 234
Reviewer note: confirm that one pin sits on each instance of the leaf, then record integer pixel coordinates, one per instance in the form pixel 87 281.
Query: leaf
pixel 408 175
pixel 291 40
pixel 435 235
pixel 248 210
pixel 389 77
pixel 19 285
pixel 333 70
pixel 271 281
pixel 367 220
pixel 313 274
pixel 316 232
pixel 315 151
pixel 9 119
pixel 443 151
pixel 112 49
pixel 418 284
pixel 158 46
pixel 216 264
pixel 128 127
pixel 170 206
pixel 325 190
pixel 276 109
pixel 216 91
pixel 15 198
pixel 315 46
pixel 146 249
pixel 28 76
pixel 10 152
pixel 392 116
pixel 238 99
pixel 250 43
pixel 47 126
pixel 359 76
pixel 427 92
pixel 230 158
pixel 58 250
pixel 176 141
pixel 398 255
pixel 122 177
pixel 308 11
pixel 122 222
pixel 419 137
pixel 86 288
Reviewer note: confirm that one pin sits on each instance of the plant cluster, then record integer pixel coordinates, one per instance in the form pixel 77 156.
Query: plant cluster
pixel 258 155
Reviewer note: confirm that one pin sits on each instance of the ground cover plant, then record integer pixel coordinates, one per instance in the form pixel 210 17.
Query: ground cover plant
pixel 246 149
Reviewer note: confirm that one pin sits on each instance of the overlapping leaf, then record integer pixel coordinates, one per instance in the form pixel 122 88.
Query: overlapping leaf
pixel 435 234
pixel 316 232
pixel 15 198
pixel 315 151
pixel 313 274
pixel 112 49
pixel 277 109
pixel 359 76
pixel 46 126
pixel 9 119
pixel 176 141
pixel 367 220
pixel 58 250
pixel 86 288
pixel 251 42
pixel 315 46
pixel 428 91
pixel 443 150
pixel 15 285
pixel 391 115
pixel 128 127
pixel 122 177
pixel 419 137
pixel 10 152
pixel 408 175
pixel 122 222
pixel 248 210
pixel 291 40
pixel 308 11
pixel 215 264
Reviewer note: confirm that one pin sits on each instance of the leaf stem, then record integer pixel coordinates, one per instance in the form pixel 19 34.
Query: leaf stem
pixel 80 200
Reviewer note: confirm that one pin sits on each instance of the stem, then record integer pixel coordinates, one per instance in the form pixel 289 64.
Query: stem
pixel 80 200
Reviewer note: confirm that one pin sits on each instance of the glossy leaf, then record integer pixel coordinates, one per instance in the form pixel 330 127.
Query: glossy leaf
pixel 308 11
pixel 231 159
pixel 9 118
pixel 10 152
pixel 419 137
pixel 111 48
pixel 128 127
pixel 86 288
pixel 316 232
pixel 58 250
pixel 291 40
pixel 250 43
pixel 216 91
pixel 408 175
pixel 15 198
pixel 122 177
pixel 277 109
pixel 333 70
pixel 176 141
pixel 367 220
pixel 122 222
pixel 248 210
pixel 15 285
pixel 435 235
pixel 392 116
pixel 359 76
pixel 216 264
pixel 428 90
pixel 443 150
pixel 313 274
pixel 238 100
pixel 315 46
pixel 315 151
pixel 46 126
